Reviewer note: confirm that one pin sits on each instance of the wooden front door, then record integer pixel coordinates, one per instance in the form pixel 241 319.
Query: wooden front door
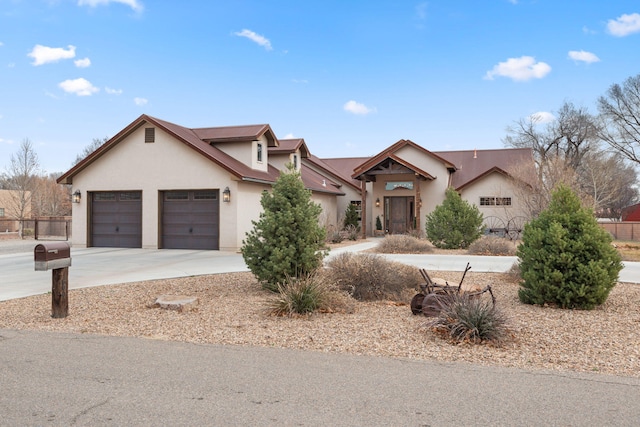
pixel 399 214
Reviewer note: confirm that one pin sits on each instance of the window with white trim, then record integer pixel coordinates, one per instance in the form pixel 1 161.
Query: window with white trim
pixel 495 201
pixel 259 152
pixel 1 211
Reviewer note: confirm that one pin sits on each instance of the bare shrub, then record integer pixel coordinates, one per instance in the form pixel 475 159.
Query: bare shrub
pixel 403 244
pixel 492 245
pixel 370 277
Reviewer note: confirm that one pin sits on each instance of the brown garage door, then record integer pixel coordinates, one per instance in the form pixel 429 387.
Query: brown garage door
pixel 116 219
pixel 190 219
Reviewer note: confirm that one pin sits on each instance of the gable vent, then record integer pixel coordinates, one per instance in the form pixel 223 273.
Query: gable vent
pixel 149 135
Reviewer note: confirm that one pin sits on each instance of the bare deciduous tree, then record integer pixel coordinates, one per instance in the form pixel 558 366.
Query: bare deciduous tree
pixel 51 198
pixel 573 133
pixel 21 178
pixel 620 113
pixel 95 144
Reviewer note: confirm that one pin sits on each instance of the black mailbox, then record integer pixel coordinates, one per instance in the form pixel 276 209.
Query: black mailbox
pixel 52 255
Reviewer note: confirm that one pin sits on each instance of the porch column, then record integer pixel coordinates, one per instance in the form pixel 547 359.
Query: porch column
pixel 363 207
pixel 418 203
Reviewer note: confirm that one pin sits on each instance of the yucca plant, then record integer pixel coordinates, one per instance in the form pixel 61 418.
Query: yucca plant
pixel 470 319
pixel 299 295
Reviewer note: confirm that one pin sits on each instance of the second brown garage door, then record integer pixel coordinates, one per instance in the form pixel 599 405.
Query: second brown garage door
pixel 190 219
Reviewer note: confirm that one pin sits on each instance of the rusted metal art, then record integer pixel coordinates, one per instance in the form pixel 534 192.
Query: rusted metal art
pixel 434 296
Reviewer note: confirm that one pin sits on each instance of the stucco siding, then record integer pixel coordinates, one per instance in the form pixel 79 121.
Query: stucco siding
pixel 494 185
pixel 134 165
pixel 427 163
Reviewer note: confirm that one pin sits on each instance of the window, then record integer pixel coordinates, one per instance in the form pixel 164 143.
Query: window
pixel 259 152
pixel 149 135
pixel 495 201
pixel 104 197
pixel 176 195
pixel 1 211
pixel 129 195
pixel 205 195
pixel 295 161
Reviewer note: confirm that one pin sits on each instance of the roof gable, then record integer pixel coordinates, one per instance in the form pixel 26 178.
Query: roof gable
pixel 382 162
pixel 186 136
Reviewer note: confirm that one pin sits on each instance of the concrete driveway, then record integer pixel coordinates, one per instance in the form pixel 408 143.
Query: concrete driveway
pixel 105 266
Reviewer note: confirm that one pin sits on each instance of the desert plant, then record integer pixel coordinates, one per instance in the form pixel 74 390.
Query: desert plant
pixel 566 259
pixel 351 232
pixel 287 240
pixel 371 277
pixel 492 245
pixel 403 244
pixel 454 224
pixel 304 295
pixel 469 319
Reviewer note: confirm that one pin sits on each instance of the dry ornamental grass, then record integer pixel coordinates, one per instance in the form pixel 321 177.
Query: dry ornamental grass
pixel 232 310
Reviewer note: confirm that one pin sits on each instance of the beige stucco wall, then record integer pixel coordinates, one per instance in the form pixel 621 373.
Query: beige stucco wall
pixel 247 153
pixel 175 166
pixel 494 185
pixel 425 162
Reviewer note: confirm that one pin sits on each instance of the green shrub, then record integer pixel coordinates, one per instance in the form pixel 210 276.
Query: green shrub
pixel 371 277
pixel 351 217
pixel 287 240
pixel 492 245
pixel 468 319
pixel 566 259
pixel 402 244
pixel 454 224
pixel 378 223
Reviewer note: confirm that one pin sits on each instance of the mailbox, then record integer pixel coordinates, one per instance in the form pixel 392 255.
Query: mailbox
pixel 52 255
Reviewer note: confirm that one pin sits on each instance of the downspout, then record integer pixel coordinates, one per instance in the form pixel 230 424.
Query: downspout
pixel 363 210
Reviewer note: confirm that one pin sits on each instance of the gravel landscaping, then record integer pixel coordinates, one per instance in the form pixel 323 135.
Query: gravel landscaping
pixel 231 311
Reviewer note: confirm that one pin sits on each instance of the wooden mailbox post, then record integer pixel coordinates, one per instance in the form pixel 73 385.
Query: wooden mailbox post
pixel 55 256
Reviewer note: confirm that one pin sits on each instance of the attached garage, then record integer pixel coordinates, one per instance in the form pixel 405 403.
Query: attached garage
pixel 190 219
pixel 116 219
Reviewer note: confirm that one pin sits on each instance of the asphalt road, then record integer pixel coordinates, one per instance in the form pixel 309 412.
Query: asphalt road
pixel 51 379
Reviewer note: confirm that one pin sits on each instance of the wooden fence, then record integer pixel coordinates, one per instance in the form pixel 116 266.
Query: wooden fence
pixel 628 230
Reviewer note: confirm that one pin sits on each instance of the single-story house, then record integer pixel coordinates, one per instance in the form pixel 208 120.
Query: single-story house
pixel 156 184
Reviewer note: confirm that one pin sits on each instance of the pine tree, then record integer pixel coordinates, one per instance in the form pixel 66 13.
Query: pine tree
pixel 566 258
pixel 287 240
pixel 351 216
pixel 455 223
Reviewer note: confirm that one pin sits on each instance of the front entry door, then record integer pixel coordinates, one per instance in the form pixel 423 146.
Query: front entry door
pixel 399 214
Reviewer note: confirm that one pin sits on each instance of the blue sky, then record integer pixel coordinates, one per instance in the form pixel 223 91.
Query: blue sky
pixel 350 77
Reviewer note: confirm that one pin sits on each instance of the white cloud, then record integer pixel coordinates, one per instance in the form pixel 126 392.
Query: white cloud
pixel 1 44
pixel 583 56
pixel 421 10
pixel 140 101
pixel 289 136
pixel 44 54
pixel 82 63
pixel 519 69
pixel 80 87
pixel 261 40
pixel 542 117
pixel 111 91
pixel 624 25
pixel 133 4
pixel 357 108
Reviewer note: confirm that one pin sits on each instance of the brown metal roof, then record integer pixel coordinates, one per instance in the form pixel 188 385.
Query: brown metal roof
pixel 288 146
pixel 360 171
pixel 186 136
pixel 344 167
pixel 472 165
pixel 217 135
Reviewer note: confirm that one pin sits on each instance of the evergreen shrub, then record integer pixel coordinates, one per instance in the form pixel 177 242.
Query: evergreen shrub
pixel 566 258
